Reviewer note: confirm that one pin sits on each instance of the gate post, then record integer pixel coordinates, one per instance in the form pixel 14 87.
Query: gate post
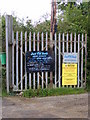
pixel 9 30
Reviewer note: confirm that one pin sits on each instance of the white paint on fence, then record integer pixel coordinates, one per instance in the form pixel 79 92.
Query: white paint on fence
pixel 46 74
pixel 59 61
pixel 63 46
pixel 75 47
pixel 38 50
pixel 75 42
pixel 55 59
pixel 34 50
pixel 12 58
pixel 17 60
pixel 25 60
pixel 78 57
pixel 71 44
pixel 85 58
pixel 30 45
pixel 67 43
pixel 82 62
pixel 42 50
pixel 21 61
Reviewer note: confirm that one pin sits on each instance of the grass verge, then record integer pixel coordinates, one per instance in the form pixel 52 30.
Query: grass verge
pixel 53 92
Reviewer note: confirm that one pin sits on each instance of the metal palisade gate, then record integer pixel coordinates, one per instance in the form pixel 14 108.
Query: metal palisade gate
pixel 63 43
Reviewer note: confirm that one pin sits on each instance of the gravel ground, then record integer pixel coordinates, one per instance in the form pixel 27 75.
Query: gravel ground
pixel 68 106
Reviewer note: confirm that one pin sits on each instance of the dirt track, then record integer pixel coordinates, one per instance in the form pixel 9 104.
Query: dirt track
pixel 68 106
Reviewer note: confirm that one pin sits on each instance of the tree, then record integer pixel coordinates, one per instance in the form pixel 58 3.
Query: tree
pixel 43 27
pixel 74 18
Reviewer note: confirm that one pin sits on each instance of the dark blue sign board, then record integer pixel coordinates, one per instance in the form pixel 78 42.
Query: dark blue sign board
pixel 40 61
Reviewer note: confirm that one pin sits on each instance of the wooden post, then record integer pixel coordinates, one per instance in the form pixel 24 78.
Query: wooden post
pixel 0 62
pixel 51 48
pixel 9 29
pixel 52 32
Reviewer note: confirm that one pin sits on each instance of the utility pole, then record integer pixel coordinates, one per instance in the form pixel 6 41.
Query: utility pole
pixel 53 18
pixel 52 32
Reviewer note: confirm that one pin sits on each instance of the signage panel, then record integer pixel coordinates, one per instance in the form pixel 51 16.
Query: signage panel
pixel 69 74
pixel 40 61
pixel 70 58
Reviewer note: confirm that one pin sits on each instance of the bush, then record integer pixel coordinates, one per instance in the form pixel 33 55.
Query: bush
pixel 52 92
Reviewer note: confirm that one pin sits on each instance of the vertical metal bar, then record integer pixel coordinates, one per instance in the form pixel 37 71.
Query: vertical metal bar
pixel 34 50
pixel 25 61
pixel 46 75
pixel 21 69
pixel 59 72
pixel 55 59
pixel 75 43
pixel 30 50
pixel 13 58
pixel 85 58
pixel 74 46
pixel 78 56
pixel 17 60
pixel 7 75
pixel 67 42
pixel 67 46
pixel 71 49
pixel 38 50
pixel 42 50
pixel 63 46
pixel 71 44
pixel 82 62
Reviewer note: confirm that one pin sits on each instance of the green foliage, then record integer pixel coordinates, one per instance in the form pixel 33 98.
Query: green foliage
pixel 74 18
pixel 43 27
pixel 52 92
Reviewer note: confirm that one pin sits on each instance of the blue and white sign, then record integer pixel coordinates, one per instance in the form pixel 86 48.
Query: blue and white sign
pixel 70 58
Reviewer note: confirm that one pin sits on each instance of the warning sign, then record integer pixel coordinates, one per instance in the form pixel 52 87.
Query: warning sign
pixel 69 74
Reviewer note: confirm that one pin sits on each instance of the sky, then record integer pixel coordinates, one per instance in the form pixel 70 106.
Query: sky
pixel 34 9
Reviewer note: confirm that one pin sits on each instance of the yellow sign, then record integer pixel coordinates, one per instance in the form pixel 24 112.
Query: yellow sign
pixel 69 74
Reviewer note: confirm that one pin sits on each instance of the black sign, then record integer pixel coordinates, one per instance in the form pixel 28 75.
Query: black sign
pixel 40 61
